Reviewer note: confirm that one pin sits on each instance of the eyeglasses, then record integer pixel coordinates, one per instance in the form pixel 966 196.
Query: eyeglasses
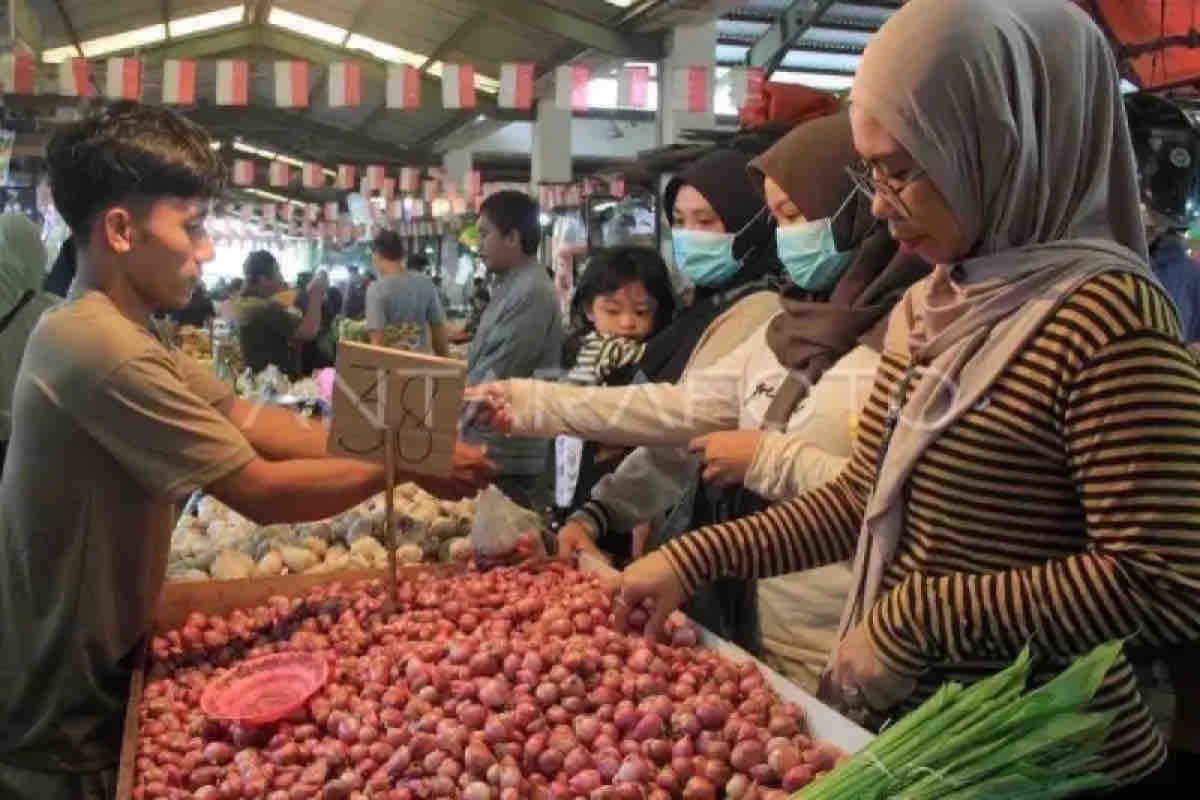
pixel 889 187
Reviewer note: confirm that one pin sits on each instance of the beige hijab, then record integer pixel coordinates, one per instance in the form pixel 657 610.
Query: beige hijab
pixel 1013 109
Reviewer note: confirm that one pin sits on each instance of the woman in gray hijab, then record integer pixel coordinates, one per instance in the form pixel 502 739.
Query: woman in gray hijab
pixel 1025 469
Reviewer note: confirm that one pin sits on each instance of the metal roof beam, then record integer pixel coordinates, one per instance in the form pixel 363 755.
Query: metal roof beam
pixel 575 28
pixel 768 52
pixel 201 46
pixel 69 26
pixel 166 17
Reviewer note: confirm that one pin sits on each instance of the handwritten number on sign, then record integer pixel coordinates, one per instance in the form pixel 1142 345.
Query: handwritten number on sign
pixel 412 439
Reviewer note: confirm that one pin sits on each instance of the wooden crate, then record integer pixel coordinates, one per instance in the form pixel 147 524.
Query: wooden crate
pixel 221 597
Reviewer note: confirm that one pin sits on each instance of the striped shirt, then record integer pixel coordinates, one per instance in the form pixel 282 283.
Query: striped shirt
pixel 600 355
pixel 1063 510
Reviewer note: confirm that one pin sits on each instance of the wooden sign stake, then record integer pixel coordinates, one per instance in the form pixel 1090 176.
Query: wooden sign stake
pixel 389 515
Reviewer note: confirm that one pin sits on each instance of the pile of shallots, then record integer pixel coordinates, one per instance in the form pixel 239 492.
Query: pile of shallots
pixel 486 686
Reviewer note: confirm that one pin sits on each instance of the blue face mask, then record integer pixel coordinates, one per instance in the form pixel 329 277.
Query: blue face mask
pixel 809 255
pixel 704 257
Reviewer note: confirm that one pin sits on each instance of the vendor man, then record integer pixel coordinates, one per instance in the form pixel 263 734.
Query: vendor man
pixel 111 428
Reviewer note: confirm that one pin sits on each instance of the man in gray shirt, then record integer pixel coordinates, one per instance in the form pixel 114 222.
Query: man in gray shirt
pixel 403 302
pixel 519 336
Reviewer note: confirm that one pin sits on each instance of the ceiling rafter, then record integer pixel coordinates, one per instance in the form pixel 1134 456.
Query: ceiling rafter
pixel 771 48
pixel 573 27
pixel 166 18
pixel 69 26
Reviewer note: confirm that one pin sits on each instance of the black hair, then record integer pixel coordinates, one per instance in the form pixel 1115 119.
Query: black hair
pixel 511 210
pixel 62 273
pixel 418 262
pixel 389 245
pixel 608 269
pixel 259 264
pixel 129 152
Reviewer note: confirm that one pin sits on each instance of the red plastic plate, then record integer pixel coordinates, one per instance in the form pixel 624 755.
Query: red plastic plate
pixel 265 689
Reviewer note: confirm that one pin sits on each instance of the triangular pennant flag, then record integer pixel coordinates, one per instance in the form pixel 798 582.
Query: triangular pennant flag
pixel 179 82
pixel 345 85
pixel 746 85
pixel 633 88
pixel 233 82
pixel 17 71
pixel 280 175
pixel 75 79
pixel 458 86
pixel 347 175
pixel 403 87
pixel 123 80
pixel 291 84
pixel 691 89
pixel 571 87
pixel 313 176
pixel 516 86
pixel 243 172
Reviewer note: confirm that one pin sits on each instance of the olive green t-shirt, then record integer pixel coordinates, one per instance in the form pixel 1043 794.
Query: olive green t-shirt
pixel 110 430
pixel 265 330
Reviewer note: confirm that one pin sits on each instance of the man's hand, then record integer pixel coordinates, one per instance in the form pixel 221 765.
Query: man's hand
pixel 471 472
pixel 488 406
pixel 317 286
pixel 727 455
pixel 574 538
pixel 860 681
pixel 648 579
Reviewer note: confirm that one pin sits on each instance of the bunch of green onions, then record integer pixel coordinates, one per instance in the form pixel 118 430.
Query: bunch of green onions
pixel 991 740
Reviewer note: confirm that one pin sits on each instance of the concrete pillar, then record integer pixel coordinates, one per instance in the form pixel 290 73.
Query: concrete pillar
pixel 551 157
pixel 687 46
pixel 457 164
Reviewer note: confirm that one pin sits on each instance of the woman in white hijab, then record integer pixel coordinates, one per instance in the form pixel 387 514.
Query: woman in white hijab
pixel 1026 467
pixel 22 301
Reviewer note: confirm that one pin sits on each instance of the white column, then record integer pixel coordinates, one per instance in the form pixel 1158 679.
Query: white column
pixel 551 157
pixel 686 46
pixel 457 164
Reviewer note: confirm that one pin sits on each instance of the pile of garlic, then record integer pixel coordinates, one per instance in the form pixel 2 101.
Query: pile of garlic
pixel 218 543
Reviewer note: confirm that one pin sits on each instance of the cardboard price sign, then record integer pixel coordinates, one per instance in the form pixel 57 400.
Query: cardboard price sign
pixel 409 399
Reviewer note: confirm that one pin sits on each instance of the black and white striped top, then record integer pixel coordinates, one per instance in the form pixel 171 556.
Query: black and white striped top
pixel 1064 511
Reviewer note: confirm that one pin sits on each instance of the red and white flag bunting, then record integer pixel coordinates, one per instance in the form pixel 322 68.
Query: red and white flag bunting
pixel 331 212
pixel 17 71
pixel 280 174
pixel 691 89
pixel 243 172
pixel 345 85
pixel 75 79
pixel 458 86
pixel 410 179
pixel 313 175
pixel 516 86
pixel 312 212
pixel 233 82
pixel 746 84
pixel 472 183
pixel 571 87
pixel 179 82
pixel 375 176
pixel 403 87
pixel 123 79
pixel 347 176
pixel 633 88
pixel 268 212
pixel 291 84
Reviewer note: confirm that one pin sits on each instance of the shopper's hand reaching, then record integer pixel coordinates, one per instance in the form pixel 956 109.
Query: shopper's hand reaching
pixel 727 455
pixel 652 579
pixel 574 538
pixel 472 471
pixel 488 406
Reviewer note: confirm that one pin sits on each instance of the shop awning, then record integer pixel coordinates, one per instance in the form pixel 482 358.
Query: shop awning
pixel 1157 41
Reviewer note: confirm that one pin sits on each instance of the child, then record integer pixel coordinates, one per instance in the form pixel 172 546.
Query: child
pixel 623 299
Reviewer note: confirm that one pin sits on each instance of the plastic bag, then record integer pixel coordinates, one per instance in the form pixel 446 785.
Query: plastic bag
pixel 499 523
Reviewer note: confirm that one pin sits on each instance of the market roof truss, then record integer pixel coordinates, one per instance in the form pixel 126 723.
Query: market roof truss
pixel 769 51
